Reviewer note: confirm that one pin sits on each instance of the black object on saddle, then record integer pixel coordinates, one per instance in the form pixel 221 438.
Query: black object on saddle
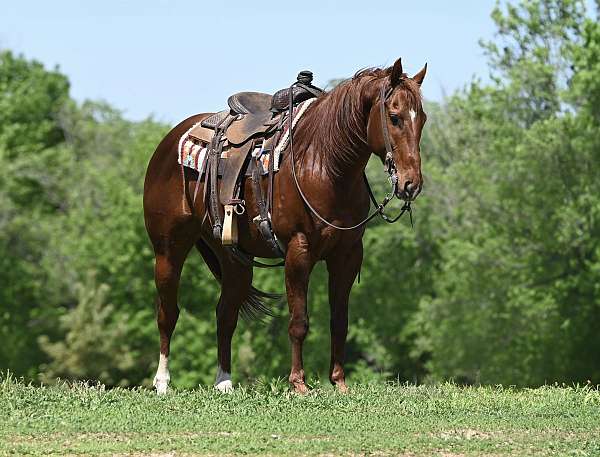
pixel 301 91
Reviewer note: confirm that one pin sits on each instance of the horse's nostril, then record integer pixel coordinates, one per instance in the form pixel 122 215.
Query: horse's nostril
pixel 409 187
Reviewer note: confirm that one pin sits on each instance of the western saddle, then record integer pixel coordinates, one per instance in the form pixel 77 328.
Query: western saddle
pixel 236 139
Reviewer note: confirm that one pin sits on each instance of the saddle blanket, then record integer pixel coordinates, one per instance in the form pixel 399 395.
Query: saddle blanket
pixel 192 153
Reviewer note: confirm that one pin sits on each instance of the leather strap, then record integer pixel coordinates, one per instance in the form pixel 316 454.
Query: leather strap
pixel 211 181
pixel 263 220
pixel 310 88
pixel 248 260
pixel 390 220
pixel 214 189
pixel 389 158
pixel 279 131
pixel 384 126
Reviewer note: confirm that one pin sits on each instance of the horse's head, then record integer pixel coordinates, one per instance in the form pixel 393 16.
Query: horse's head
pixel 397 99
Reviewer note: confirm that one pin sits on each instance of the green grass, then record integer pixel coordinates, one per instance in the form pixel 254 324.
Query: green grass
pixel 444 420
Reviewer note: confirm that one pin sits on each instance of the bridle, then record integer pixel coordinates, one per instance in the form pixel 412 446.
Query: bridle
pixel 389 167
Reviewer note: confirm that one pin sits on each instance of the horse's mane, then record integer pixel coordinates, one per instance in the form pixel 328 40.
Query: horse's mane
pixel 336 124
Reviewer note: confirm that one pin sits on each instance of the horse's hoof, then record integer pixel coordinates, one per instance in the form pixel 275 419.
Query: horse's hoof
pixel 225 387
pixel 300 388
pixel 161 386
pixel 342 387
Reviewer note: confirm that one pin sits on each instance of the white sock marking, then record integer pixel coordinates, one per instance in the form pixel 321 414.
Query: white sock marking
pixel 223 381
pixel 162 378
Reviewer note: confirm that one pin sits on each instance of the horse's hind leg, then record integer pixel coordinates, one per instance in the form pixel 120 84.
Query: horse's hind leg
pixel 169 260
pixel 236 287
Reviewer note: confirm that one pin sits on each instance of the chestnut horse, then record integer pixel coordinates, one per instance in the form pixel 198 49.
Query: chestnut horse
pixel 332 143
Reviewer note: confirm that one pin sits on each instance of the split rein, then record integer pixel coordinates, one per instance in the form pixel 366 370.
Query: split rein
pixel 390 168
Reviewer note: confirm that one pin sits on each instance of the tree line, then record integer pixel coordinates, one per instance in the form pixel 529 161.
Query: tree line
pixel 498 282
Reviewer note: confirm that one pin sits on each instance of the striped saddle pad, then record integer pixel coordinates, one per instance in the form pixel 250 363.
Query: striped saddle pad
pixel 192 153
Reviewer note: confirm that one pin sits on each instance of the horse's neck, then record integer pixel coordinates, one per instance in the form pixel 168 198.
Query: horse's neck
pixel 340 144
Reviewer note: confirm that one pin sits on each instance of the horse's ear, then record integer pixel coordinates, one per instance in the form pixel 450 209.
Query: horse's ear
pixel 419 77
pixel 396 74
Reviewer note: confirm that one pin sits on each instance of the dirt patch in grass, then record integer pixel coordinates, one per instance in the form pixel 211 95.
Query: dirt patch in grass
pixel 465 434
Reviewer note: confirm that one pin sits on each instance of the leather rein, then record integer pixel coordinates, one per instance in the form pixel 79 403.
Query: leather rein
pixel 390 168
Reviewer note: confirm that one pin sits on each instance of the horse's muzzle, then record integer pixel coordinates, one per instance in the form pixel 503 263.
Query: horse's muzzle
pixel 409 193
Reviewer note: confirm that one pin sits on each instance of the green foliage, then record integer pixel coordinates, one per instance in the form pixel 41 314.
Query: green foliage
pixel 515 297
pixel 93 346
pixel 32 160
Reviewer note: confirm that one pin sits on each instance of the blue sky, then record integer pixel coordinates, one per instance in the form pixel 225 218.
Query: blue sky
pixel 171 59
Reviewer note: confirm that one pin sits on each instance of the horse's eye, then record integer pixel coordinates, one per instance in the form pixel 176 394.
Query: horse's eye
pixel 396 120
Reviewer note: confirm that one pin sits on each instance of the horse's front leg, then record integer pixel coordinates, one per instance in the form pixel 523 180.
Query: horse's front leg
pixel 298 265
pixel 343 266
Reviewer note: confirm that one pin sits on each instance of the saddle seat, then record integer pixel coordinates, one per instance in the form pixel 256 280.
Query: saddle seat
pixel 249 116
pixel 249 102
pixel 242 127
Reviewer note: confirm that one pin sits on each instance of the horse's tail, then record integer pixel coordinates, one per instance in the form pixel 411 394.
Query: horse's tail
pixel 258 304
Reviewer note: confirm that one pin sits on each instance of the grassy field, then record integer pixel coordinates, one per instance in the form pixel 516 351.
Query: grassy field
pixel 267 419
